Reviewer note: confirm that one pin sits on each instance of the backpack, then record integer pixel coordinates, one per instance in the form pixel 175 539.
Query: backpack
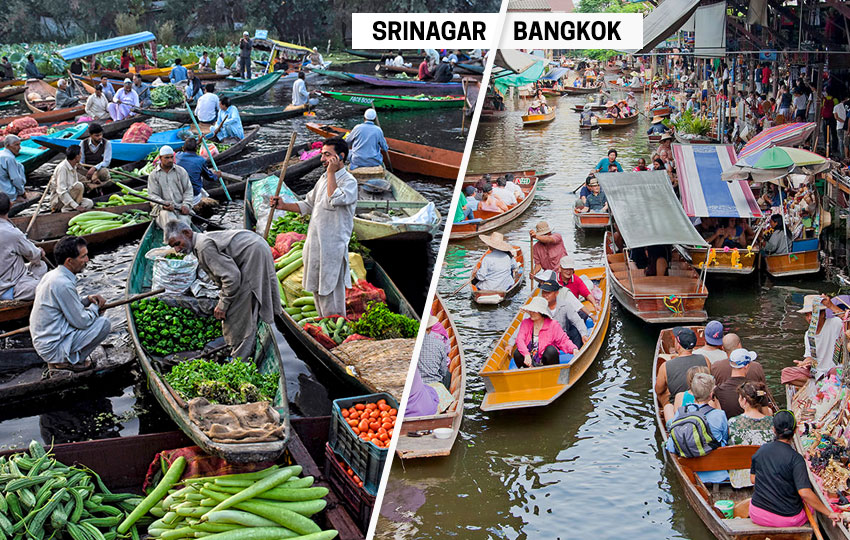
pixel 690 432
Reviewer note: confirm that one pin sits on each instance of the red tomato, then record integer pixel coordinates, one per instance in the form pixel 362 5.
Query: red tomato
pixel 371 406
pixel 356 430
pixel 393 412
pixel 382 402
pixel 360 406
pixel 374 426
pixel 344 413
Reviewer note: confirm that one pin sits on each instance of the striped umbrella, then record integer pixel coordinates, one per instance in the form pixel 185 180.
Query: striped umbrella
pixel 781 135
pixel 773 164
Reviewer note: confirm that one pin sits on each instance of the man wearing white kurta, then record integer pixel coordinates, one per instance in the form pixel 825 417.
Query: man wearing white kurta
pixel 97 105
pixel 21 262
pixel 123 102
pixel 170 183
pixel 331 204
pixel 206 111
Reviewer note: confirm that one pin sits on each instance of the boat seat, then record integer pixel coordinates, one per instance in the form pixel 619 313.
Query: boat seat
pixel 665 285
pixel 746 525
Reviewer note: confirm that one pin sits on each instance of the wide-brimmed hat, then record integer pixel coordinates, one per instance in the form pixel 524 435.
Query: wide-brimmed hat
pixel 610 103
pixel 808 303
pixel 496 241
pixel 543 228
pixel 432 320
pixel 538 304
pixel 657 119
pixel 630 94
pixel 666 137
pixel 634 74
pixel 741 358
pixel 587 107
pixel 714 333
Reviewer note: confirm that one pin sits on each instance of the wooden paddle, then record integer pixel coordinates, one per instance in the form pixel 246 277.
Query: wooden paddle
pixel 280 182
pixel 813 522
pixel 105 307
pixel 38 206
pixel 465 283
pixel 207 148
pixel 531 268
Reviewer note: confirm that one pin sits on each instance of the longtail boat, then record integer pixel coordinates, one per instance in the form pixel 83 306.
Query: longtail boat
pixel 266 356
pixel 539 119
pixel 615 123
pixel 33 155
pixel 803 259
pixel 485 221
pixel 516 388
pixel 406 83
pixel 249 115
pixel 381 101
pixel 251 89
pixel 592 220
pixel 338 75
pixel 578 90
pixel 407 156
pixel 490 297
pixel 427 445
pixel 702 499
pixel 554 92
pixel 723 261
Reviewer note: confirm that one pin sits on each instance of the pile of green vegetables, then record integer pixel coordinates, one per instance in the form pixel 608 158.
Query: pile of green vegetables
pixel 265 505
pixel 293 222
pixel 95 221
pixel 43 498
pixel 175 256
pixel 165 330
pixel 336 328
pixel 122 200
pixel 230 383
pixel 165 96
pixel 380 323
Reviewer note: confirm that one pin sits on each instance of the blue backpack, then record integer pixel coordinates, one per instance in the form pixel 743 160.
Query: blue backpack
pixel 690 431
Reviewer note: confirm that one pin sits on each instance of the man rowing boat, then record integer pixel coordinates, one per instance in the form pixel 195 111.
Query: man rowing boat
pixel 367 142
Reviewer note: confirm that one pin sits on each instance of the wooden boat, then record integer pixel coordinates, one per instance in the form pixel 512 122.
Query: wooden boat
pixel 338 75
pixel 122 463
pixel 14 310
pixel 13 82
pixel 383 69
pixel 12 91
pixel 33 155
pixel 629 88
pixel 249 115
pixel 802 260
pixel 266 356
pixel 649 297
pixel 42 109
pixel 406 83
pixel 486 221
pixel 30 198
pixel 123 152
pixel 660 111
pixel 554 92
pixel 615 123
pixel 401 199
pixel 722 261
pixel 486 297
pixel 699 497
pixel 539 119
pixel 251 89
pixel 577 90
pixel 150 75
pixel 472 68
pixel 471 179
pixel 492 115
pixel 407 156
pixel 593 107
pixel 428 445
pixel 507 388
pixel 359 381
pixel 382 102
pixel 592 220
pixel 371 55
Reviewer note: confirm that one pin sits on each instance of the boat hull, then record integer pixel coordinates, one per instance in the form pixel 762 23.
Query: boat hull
pixel 249 115
pixel 383 102
pixel 592 220
pixel 793 264
pixel 722 261
pixel 488 297
pixel 492 220
pixel 575 91
pixel 616 123
pixel 538 119
pixel 405 83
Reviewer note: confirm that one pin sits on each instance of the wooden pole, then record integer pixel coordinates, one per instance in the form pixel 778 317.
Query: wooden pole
pixel 280 183
pixel 531 268
pixel 38 206
pixel 207 148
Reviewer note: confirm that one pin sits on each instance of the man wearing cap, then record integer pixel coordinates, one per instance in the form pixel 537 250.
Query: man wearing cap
pixel 727 391
pixel 124 101
pixel 657 127
pixel 672 375
pixel 721 370
pixel 64 95
pixel 228 123
pixel 170 183
pixel 315 58
pixel 565 312
pixel 12 176
pixel 300 95
pixel 548 250
pixel 567 278
pixel 367 142
pixel 471 199
pixel 245 47
pixel 67 194
pixel 97 105
pixel 497 269
pixel 596 201
pixel 95 155
pixel 206 109
pixel 178 72
pixel 713 348
pixel 444 71
pixel 822 347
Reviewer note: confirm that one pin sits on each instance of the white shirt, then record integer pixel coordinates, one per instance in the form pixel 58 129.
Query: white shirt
pixel 96 107
pixel 506 195
pixel 840 112
pixel 517 191
pixel 204 62
pixel 207 108
pixel 300 95
pixel 221 67
pixel 825 342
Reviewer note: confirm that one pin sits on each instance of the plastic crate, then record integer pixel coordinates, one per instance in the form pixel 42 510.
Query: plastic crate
pixel 355 499
pixel 365 459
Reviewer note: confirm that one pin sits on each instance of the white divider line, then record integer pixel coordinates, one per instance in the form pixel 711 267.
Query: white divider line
pixel 438 266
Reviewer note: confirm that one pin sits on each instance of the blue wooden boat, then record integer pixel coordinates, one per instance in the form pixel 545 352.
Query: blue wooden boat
pixel 125 152
pixel 33 155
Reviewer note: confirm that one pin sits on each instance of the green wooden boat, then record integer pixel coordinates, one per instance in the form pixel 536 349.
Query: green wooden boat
pixel 382 101
pixel 338 75
pixel 251 89
pixel 249 115
pixel 266 355
pixel 33 155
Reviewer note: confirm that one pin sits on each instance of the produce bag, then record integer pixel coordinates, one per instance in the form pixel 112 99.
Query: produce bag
pixel 284 241
pixel 320 336
pixel 137 133
pixel 173 275
pixel 355 263
pixel 357 298
pixel 261 191
pixel 383 362
pixel 204 286
pixel 292 286
pixel 16 126
pixel 246 423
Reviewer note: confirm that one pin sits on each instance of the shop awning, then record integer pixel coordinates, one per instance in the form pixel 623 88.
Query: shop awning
pixel 664 21
pixel 514 60
pixel 106 45
pixel 292 48
pixel 554 74
pixel 647 211
pixel 704 193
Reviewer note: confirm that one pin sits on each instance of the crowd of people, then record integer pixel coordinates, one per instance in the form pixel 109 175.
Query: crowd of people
pixel 494 195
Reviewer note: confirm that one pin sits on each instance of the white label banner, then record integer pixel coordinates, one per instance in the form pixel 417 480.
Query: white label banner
pixel 525 30
pixel 421 30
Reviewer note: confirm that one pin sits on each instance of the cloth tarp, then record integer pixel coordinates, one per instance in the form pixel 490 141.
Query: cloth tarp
pixel 554 74
pixel 647 211
pixel 757 12
pixel 664 21
pixel 112 44
pixel 710 36
pixel 703 192
pixel 528 76
pixel 514 60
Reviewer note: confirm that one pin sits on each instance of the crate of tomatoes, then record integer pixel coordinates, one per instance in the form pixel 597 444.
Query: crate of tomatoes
pixel 349 487
pixel 361 429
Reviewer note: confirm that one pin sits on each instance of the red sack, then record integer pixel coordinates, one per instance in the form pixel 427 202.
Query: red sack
pixel 137 133
pixel 275 253
pixel 357 298
pixel 16 126
pixel 198 464
pixel 320 335
pixel 283 242
pixel 356 337
pixel 32 132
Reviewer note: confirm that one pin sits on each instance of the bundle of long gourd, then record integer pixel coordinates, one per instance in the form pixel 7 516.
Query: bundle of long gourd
pixel 122 200
pixel 95 221
pixel 265 505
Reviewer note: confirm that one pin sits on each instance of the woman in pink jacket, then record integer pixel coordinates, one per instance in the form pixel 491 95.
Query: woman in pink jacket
pixel 540 340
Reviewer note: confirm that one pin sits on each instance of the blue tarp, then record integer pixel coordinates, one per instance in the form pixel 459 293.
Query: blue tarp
pixel 107 45
pixel 554 74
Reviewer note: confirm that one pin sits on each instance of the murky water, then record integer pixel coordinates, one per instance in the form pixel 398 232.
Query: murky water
pixel 123 405
pixel 589 464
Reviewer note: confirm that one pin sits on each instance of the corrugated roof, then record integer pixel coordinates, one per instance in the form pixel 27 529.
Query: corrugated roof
pixel 529 5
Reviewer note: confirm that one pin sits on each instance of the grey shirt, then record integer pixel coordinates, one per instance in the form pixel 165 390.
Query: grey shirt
pixel 58 310
pixel 777 244
pixel 433 361
pixel 15 251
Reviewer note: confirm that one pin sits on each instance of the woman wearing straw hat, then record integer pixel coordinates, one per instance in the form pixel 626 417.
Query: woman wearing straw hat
pixel 657 127
pixel 540 340
pixel 498 267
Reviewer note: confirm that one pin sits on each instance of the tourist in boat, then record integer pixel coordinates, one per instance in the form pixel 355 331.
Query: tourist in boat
pixel 178 73
pixel 587 115
pixel 703 406
pixel 7 72
pixel 125 100
pixel 12 176
pixel 781 480
pixel 727 391
pixel 65 327
pixel 657 126
pixel 568 279
pixel 828 341
pixel 713 348
pixel 194 87
pixel 97 105
pixel 683 398
pixel 491 203
pixel 612 110
pixel 463 212
pixel 585 189
pixel 206 109
pixel 64 96
pixel 777 240
pixel 31 69
pixel 641 165
pixel 471 199
pixel 221 66
pixel 605 162
pixel 196 168
pixel 671 377
pixel 67 195
pixel 424 71
pixel 331 204
pixel 228 123
pixel 240 263
pixel 548 250
pixel 513 187
pixel 126 58
pixel 108 91
pixel 498 267
pixel 596 201
pixel 540 340
pixel 631 101
pixel 752 426
pixel 433 362
pixel 169 183
pixel 96 155
pixel 204 62
pixel 721 369
pixel 501 191
pixel 444 71
pixel 565 309
pixel 142 90
pixel 21 262
pixel 367 142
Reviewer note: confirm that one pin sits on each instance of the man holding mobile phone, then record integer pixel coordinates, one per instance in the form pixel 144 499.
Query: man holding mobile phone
pixel 331 204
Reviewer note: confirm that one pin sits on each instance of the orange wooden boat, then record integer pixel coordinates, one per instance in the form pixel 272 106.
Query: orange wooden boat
pixel 615 123
pixel 539 119
pixel 485 221
pixel 734 261
pixel 407 156
pixel 481 296
pixel 592 220
pixel 802 260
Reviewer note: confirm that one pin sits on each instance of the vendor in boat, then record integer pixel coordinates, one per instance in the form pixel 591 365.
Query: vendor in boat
pixel 433 362
pixel 423 399
pixel 196 168
pixel 142 90
pixel 549 249
pixel 424 72
pixel 206 109
pixel 68 190
pixel 657 127
pixel 821 347
pixel 97 106
pixel 636 81
pixel 124 101
pixel 444 71
pixel 498 267
pixel 64 95
pixel 776 240
pixel 671 377
pixel 31 69
pixel 540 340
pixel 596 201
pixel 12 176
pixel 95 157
pixel 204 63
pixel 65 327
pixel 21 262
pixel 194 87
pixel 178 72
pixel 367 142
pixel 605 162
pixel 331 204
pixel 7 73
pixel 631 101
pixel 300 95
pixel 240 262
pixel 169 183
pixel 221 66
pixel 315 58
pixel 228 123
pixel 566 309
pixel 781 480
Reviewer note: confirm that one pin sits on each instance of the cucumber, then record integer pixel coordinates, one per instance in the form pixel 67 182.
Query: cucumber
pixel 293 310
pixel 303 301
pixel 309 314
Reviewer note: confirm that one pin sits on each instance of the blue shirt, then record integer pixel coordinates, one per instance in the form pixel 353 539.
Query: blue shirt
pixel 604 164
pixel 366 141
pixel 230 122
pixel 196 168
pixel 657 128
pixel 719 427
pixel 12 177
pixel 178 73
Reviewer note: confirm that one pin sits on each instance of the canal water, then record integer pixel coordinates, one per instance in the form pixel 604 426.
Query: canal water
pixel 588 465
pixel 122 405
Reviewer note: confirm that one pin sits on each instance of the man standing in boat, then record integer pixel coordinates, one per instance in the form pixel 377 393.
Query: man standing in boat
pixel 548 250
pixel 331 204
pixel 367 142
pixel 241 263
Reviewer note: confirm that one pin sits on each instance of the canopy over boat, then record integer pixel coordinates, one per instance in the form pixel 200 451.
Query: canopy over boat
pixel 704 193
pixel 775 164
pixel 554 74
pixel 647 211
pixel 106 45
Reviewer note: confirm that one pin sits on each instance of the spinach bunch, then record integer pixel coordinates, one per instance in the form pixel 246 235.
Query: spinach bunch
pixel 380 323
pixel 230 383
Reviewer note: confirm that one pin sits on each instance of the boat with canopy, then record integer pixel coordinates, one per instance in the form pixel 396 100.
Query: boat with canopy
pixel 144 41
